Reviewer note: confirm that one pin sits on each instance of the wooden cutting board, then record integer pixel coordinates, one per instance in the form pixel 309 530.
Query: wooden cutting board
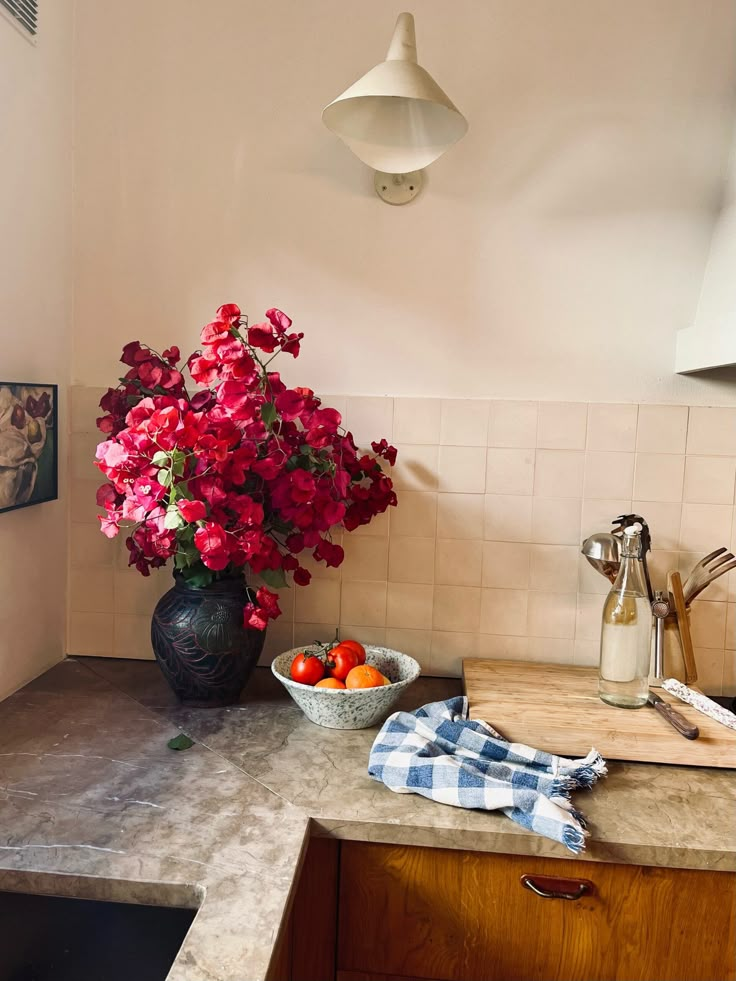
pixel 556 708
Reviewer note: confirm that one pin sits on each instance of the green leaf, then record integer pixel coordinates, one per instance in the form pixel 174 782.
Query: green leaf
pixel 181 560
pixel 173 519
pixel 164 478
pixel 268 413
pixel 159 458
pixel 275 578
pixel 198 577
pixel 180 742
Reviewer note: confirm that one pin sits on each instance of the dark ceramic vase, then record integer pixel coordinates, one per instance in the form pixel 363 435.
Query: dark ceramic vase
pixel 200 643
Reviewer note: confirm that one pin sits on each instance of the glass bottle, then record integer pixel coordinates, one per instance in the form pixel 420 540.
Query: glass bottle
pixel 626 631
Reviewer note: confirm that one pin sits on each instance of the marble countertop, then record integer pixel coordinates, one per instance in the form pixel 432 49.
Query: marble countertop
pixel 94 804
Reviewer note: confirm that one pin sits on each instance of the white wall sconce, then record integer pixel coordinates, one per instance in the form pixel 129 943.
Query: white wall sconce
pixel 396 118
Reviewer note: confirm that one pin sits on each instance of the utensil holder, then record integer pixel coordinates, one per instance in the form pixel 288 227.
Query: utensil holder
pixel 674 662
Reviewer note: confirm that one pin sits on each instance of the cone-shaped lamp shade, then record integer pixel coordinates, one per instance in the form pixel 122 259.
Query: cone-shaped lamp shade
pixel 396 118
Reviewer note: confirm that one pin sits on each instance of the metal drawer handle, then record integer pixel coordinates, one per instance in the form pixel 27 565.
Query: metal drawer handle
pixel 557 888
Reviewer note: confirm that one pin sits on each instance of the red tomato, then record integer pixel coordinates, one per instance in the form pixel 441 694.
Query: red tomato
pixel 355 646
pixel 340 661
pixel 307 669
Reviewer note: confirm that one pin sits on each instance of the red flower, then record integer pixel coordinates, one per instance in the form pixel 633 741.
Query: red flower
pixel 192 510
pixel 302 577
pixel 229 312
pixel 211 540
pixel 278 319
pixel 263 337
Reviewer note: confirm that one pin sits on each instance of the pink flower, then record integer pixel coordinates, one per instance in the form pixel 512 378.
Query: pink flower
pixel 263 337
pixel 211 540
pixel 278 319
pixel 109 523
pixel 229 312
pixel 290 404
pixel 192 510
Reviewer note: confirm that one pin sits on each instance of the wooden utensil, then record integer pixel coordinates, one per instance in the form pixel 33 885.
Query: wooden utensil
pixel 674 585
pixel 706 571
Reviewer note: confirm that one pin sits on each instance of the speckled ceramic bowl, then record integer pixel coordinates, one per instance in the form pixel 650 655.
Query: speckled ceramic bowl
pixel 357 708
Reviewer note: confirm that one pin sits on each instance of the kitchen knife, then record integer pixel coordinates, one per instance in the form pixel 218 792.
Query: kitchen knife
pixel 674 718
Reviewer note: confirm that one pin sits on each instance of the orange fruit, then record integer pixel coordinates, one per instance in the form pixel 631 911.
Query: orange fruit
pixel 364 676
pixel 330 683
pixel 356 647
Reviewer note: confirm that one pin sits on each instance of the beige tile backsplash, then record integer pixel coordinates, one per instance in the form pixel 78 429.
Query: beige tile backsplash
pixel 481 557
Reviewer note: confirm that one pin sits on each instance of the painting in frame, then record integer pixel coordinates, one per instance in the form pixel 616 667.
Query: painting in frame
pixel 29 444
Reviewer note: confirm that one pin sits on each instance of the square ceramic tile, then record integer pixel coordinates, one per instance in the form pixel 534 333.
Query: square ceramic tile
pixel 363 634
pixel 708 624
pixel 363 604
pixel 710 670
pixel 586 653
pixel 552 614
pixel 729 673
pixel 462 469
pixel 83 447
pixel 509 470
pixel 370 418
pixel 662 429
pixel 612 427
pixel 312 634
pixel 319 602
pixel 460 515
pixel 660 563
pixel 85 409
pixel 731 627
pixel 513 424
pixel 409 605
pixel 507 518
pixel 559 473
pixel 82 503
pixel 608 475
pixel 658 477
pixel 504 611
pixel 554 568
pixel 589 613
pixel 464 422
pixel 91 591
pixel 90 634
pixel 411 559
pixel 89 548
pixel 555 521
pixel 416 467
pixel 711 431
pixel 551 650
pixel 415 643
pixel 717 591
pixel 132 637
pixel 506 565
pixel 377 527
pixel 457 562
pixel 562 425
pixel 449 649
pixel 705 527
pixel 456 608
pixel 415 516
pixel 139 594
pixel 498 648
pixel 597 515
pixel 279 638
pixel 417 420
pixel 365 558
pixel 709 479
pixel 663 518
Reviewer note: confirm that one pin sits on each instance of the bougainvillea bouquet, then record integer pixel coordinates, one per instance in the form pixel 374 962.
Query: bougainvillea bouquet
pixel 245 472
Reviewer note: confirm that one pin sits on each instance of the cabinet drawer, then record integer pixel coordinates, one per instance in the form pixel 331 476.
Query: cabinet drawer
pixel 464 916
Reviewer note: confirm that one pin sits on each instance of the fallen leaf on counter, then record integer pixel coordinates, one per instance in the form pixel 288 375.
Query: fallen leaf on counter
pixel 180 742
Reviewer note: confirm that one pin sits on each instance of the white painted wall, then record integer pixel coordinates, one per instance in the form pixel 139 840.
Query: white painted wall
pixel 35 307
pixel 569 228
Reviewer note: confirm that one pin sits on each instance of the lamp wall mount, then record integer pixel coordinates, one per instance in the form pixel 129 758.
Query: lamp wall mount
pixel 398 188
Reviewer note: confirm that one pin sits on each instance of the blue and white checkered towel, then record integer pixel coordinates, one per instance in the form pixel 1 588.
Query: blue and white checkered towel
pixel 438 752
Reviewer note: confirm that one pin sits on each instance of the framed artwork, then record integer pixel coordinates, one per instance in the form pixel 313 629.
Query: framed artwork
pixel 29 444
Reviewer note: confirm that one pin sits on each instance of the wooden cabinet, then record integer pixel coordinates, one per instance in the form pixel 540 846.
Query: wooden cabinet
pixel 372 912
pixel 465 916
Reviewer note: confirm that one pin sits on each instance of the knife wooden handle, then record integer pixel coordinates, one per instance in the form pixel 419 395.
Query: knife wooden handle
pixel 676 720
pixel 674 584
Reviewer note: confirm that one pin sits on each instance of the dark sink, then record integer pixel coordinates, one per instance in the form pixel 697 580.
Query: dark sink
pixel 48 938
